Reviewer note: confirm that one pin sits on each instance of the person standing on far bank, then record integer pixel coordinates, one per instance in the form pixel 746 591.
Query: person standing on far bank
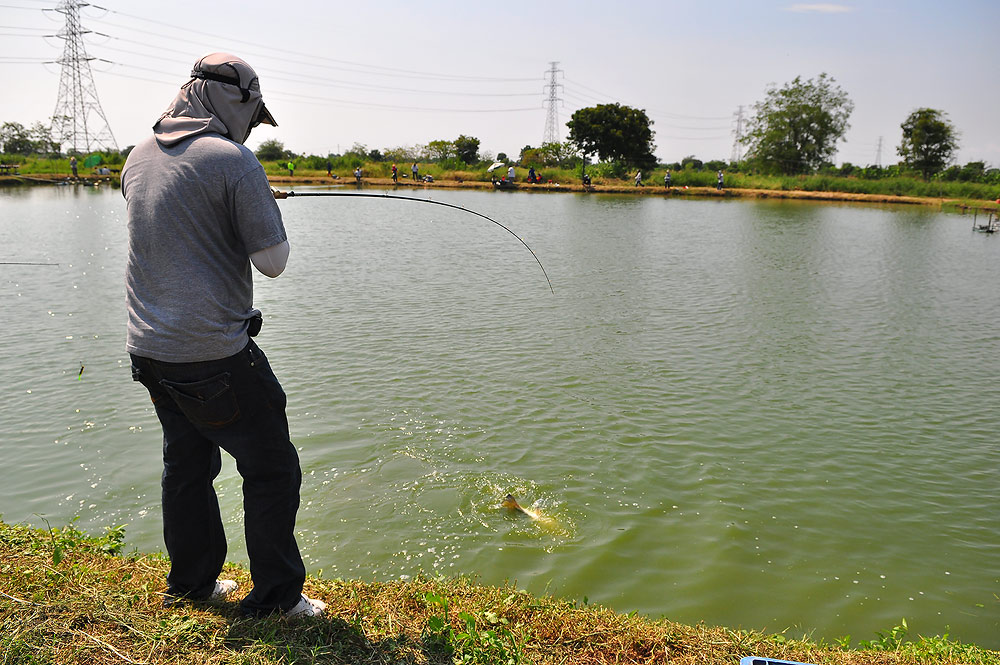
pixel 200 214
pixel 415 171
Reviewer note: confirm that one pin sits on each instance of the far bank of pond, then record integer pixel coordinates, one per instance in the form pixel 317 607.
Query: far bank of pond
pixel 289 182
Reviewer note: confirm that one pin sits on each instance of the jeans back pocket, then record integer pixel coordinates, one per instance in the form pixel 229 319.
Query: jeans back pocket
pixel 208 403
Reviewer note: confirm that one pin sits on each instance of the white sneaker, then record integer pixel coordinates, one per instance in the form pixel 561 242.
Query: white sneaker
pixel 306 607
pixel 222 589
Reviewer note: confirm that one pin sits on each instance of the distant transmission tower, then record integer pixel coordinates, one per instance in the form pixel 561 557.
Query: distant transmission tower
pixel 77 102
pixel 737 155
pixel 878 153
pixel 552 134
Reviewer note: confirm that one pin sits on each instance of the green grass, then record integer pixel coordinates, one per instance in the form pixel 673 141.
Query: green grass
pixel 438 171
pixel 898 186
pixel 603 174
pixel 45 166
pixel 69 599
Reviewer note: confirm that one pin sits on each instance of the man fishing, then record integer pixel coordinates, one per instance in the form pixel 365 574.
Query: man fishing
pixel 200 212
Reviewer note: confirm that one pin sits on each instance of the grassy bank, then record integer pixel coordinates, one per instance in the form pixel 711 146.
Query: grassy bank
pixel 69 599
pixel 653 180
pixel 947 194
pixel 602 177
pixel 284 182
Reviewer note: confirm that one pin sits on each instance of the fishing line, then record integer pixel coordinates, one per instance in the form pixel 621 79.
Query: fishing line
pixel 25 263
pixel 440 203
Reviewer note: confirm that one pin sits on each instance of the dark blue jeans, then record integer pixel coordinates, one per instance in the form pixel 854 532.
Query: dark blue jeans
pixel 235 404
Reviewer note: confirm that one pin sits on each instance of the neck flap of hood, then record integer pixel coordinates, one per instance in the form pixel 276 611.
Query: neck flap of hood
pixel 223 96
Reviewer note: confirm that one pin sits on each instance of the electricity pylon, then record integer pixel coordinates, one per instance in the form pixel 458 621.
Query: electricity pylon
pixel 552 119
pixel 77 101
pixel 737 155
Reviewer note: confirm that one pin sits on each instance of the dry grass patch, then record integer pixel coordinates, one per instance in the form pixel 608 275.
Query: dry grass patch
pixel 72 600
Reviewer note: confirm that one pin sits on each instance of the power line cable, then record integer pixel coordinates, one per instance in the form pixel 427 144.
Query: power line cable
pixel 598 92
pixel 313 99
pixel 649 111
pixel 280 94
pixel 693 138
pixel 338 83
pixel 377 69
pixel 712 128
pixel 573 97
pixel 270 56
pixel 137 78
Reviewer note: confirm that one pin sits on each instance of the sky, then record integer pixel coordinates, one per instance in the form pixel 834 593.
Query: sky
pixel 400 74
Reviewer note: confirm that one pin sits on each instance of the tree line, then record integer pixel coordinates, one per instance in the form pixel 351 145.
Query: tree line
pixel 16 139
pixel 794 130
pixel 457 154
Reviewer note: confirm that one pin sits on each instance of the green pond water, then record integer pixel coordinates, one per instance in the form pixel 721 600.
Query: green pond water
pixel 768 415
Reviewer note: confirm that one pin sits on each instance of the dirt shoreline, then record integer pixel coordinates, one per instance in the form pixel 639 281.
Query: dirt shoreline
pixel 282 182
pixel 289 182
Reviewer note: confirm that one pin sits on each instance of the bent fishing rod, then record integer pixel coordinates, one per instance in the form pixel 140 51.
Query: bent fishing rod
pixel 25 263
pixel 293 194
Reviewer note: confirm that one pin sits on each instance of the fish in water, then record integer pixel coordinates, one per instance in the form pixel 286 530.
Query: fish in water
pixel 540 520
pixel 510 503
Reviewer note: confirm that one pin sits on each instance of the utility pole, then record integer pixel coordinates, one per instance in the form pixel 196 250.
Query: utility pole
pixel 737 155
pixel 552 134
pixel 77 93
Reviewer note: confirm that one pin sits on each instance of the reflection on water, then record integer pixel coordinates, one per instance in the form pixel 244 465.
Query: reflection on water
pixel 762 414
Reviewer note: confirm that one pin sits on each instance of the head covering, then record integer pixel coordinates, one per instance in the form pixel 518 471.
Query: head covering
pixel 223 96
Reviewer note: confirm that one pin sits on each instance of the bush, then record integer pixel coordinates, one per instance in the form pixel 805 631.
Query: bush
pixel 608 170
pixel 691 163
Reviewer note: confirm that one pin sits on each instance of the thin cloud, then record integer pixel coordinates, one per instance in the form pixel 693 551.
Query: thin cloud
pixel 822 8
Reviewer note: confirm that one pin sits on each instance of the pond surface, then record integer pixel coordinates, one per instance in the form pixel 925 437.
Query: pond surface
pixel 769 415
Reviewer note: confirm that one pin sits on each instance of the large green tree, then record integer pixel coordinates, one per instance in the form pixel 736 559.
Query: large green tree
pixel 440 150
pixel 271 150
pixel 615 133
pixel 16 139
pixel 796 128
pixel 550 154
pixel 467 148
pixel 929 141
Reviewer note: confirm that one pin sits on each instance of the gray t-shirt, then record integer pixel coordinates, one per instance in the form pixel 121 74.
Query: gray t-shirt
pixel 196 211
